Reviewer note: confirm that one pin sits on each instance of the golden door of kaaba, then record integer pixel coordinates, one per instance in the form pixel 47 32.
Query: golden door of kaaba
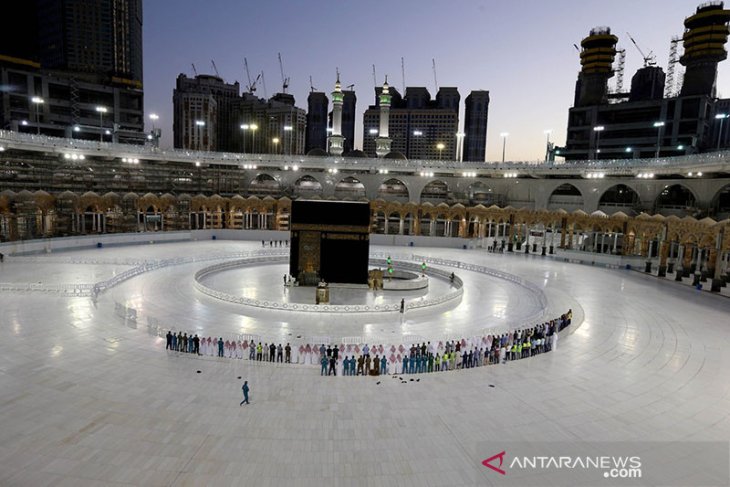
pixel 330 241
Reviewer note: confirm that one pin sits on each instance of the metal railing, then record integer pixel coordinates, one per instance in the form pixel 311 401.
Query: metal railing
pixel 115 150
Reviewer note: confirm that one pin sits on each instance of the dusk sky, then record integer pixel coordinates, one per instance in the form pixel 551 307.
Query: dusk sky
pixel 522 52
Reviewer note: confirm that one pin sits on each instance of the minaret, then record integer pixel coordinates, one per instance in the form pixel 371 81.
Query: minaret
pixel 382 142
pixel 336 141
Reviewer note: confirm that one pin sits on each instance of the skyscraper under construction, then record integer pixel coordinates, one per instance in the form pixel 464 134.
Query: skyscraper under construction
pixel 642 122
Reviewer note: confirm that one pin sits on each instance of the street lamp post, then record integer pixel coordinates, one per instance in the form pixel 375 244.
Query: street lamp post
pixel 440 146
pixel 244 127
pixel 102 111
pixel 598 129
pixel 547 144
pixel 460 145
pixel 721 117
pixel 253 128
pixel 504 136
pixel 154 117
pixel 374 134
pixel 37 101
pixel 200 124
pixel 290 131
pixel 658 126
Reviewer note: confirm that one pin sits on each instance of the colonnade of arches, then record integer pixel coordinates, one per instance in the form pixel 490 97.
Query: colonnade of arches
pixel 691 242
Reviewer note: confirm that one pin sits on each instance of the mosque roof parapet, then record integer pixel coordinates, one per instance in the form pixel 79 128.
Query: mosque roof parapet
pixel 718 161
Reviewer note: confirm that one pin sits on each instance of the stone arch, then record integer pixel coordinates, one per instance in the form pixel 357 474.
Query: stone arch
pixel 721 203
pixel 676 199
pixel 264 185
pixel 393 189
pixel 307 186
pixel 566 196
pixel 619 197
pixel 481 194
pixel 435 191
pixel 349 188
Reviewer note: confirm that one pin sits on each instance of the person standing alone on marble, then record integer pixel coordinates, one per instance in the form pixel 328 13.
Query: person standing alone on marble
pixel 169 340
pixel 244 388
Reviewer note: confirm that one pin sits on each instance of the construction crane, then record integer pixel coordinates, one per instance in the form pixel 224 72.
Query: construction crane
pixel 284 81
pixel 669 87
pixel 311 85
pixel 263 82
pixel 650 59
pixel 350 87
pixel 435 81
pixel 215 68
pixel 576 47
pixel 403 74
pixel 620 68
pixel 375 79
pixel 195 71
pixel 251 88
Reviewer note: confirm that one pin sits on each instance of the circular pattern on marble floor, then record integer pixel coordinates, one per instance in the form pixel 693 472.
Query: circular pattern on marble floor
pixel 492 300
pixel 87 400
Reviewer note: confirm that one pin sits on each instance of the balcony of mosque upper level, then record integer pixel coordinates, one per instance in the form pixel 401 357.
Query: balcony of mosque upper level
pixel 709 164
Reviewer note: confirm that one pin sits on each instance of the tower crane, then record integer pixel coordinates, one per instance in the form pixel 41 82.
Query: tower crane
pixel 650 59
pixel 375 79
pixel 284 81
pixel 251 86
pixel 672 68
pixel 195 71
pixel 311 85
pixel 215 68
pixel 263 82
pixel 403 73
pixel 435 81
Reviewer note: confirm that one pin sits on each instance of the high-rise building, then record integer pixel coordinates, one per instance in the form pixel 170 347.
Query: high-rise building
pixel 475 126
pixel 274 126
pixel 349 116
pixel 202 113
pixel 642 123
pixel 74 68
pixel 418 127
pixel 317 103
pixel 94 38
pixel 211 114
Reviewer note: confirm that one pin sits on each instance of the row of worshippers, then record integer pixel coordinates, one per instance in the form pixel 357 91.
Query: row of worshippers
pixel 427 357
pixel 362 365
pixel 453 355
pixel 228 348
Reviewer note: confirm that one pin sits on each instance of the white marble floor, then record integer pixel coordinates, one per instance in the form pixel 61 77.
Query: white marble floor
pixel 87 400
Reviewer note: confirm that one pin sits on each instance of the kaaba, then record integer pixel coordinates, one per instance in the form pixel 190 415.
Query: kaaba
pixel 330 241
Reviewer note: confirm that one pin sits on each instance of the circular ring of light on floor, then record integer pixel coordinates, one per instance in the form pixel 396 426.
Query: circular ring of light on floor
pixel 451 297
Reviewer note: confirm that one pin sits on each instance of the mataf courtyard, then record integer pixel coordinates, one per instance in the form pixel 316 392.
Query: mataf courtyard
pixel 91 396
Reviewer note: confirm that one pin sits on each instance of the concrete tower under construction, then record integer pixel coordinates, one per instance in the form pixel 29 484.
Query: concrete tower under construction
pixel 596 59
pixel 704 46
pixel 642 123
